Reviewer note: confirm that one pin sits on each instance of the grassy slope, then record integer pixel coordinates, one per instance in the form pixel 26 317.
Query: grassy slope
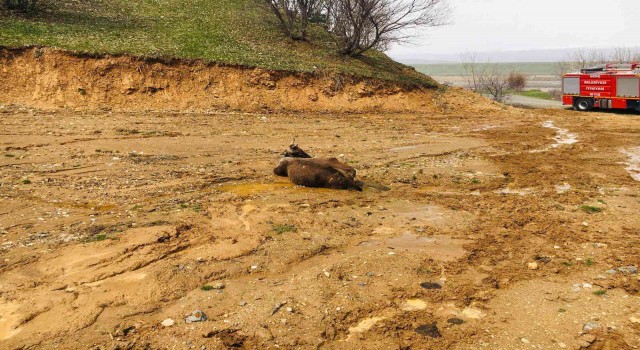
pixel 225 31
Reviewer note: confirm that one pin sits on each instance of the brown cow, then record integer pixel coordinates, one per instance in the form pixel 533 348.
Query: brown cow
pixel 303 170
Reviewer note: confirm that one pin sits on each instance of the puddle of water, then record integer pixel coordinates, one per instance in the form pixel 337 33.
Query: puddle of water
pixel 633 164
pixel 413 305
pixel 9 321
pixel 442 248
pixel 563 137
pixel 250 188
pixel 563 188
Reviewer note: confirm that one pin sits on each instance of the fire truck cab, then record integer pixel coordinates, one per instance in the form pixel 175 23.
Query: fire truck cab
pixel 610 86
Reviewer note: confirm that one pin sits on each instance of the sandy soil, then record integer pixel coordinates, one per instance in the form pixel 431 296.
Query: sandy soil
pixel 52 79
pixel 508 229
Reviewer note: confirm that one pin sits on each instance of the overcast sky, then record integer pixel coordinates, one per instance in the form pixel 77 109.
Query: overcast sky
pixel 499 25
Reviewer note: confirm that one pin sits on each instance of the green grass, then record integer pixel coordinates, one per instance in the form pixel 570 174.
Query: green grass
pixel 590 209
pixel 233 32
pixel 536 94
pixel 206 288
pixel 280 229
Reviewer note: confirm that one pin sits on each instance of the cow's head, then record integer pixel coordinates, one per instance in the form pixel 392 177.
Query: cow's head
pixel 295 152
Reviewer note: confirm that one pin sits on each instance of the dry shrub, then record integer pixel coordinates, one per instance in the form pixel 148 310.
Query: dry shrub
pixel 517 81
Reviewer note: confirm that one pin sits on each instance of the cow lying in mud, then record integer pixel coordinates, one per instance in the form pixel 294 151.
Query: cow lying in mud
pixel 303 170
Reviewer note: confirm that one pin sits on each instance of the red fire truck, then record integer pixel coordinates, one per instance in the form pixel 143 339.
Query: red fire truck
pixel 610 86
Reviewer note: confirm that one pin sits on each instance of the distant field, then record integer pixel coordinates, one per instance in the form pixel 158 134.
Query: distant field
pixel 456 69
pixel 541 75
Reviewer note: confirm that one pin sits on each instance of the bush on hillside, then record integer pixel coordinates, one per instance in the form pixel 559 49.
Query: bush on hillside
pixel 517 81
pixel 486 78
pixel 20 5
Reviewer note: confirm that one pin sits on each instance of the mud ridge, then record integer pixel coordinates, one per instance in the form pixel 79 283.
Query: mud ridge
pixel 49 79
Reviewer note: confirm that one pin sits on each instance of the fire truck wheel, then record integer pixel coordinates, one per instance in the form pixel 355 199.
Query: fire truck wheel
pixel 583 105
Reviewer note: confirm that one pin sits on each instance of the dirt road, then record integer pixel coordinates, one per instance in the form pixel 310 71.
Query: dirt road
pixel 505 230
pixel 532 102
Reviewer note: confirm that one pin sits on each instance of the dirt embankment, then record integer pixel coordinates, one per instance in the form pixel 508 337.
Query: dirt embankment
pixel 47 78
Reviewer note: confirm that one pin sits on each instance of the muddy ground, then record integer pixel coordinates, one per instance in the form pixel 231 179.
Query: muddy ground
pixel 510 229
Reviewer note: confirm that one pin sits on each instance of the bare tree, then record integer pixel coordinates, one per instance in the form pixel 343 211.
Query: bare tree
pixel 473 70
pixel 580 59
pixel 496 84
pixel 584 58
pixel 360 25
pixel 625 55
pixel 486 78
pixel 295 15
